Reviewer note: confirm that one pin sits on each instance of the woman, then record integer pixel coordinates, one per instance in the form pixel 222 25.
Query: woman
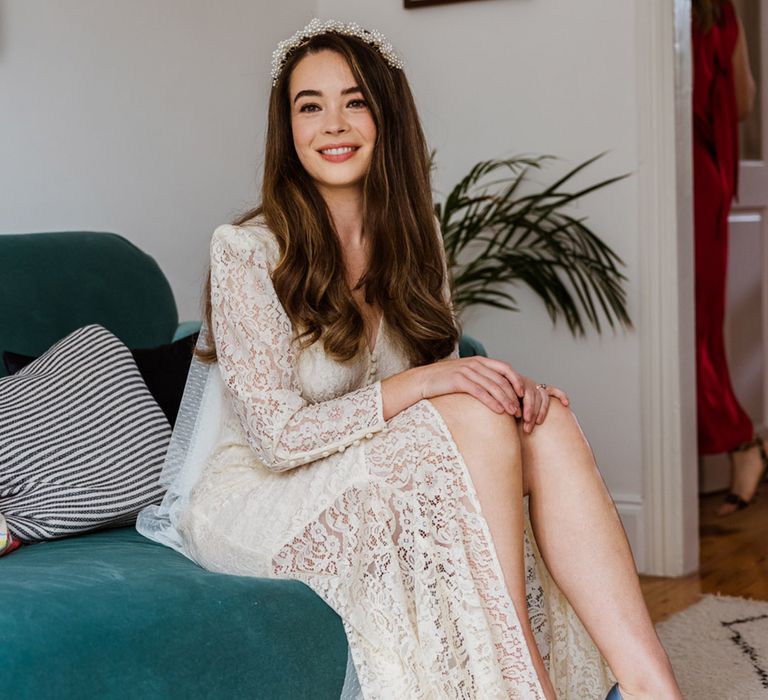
pixel 351 448
pixel 723 94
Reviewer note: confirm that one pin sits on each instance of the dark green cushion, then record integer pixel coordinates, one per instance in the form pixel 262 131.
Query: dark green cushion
pixel 53 283
pixel 114 615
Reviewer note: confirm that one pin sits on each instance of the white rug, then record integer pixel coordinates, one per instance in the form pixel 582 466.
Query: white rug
pixel 719 648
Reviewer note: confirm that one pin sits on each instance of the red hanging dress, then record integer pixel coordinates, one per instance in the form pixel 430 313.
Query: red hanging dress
pixel 722 422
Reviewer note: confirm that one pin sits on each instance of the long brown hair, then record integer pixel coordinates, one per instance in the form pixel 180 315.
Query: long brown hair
pixel 706 13
pixel 405 273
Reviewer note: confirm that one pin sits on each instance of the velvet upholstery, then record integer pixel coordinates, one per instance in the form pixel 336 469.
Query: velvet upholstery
pixel 114 615
pixel 53 283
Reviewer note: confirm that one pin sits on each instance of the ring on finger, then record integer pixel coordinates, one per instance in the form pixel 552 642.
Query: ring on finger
pixel 541 386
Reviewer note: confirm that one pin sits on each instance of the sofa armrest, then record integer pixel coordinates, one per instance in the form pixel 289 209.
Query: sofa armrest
pixel 186 328
pixel 468 347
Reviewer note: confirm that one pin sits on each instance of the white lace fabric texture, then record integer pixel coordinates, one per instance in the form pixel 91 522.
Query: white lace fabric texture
pixel 299 476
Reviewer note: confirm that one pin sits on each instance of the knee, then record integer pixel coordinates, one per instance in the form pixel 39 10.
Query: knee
pixel 560 417
pixel 466 411
pixel 559 430
pixel 559 424
pixel 554 448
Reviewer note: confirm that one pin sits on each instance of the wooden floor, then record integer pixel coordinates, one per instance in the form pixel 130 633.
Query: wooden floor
pixel 734 559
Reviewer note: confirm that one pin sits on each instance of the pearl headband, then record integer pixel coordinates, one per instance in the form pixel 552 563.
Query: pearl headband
pixel 316 26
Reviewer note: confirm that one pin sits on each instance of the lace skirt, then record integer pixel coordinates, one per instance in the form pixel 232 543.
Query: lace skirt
pixel 391 535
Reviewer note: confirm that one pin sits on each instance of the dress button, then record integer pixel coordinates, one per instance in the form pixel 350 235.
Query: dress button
pixel 342 448
pixel 292 463
pixel 357 442
pixel 326 453
pixel 369 435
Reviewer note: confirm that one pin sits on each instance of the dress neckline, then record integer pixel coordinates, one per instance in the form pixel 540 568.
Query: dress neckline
pixel 372 350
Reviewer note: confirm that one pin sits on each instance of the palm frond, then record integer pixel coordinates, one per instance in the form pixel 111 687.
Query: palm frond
pixel 531 239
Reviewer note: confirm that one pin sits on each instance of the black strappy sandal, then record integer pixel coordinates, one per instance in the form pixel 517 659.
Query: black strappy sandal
pixel 732 498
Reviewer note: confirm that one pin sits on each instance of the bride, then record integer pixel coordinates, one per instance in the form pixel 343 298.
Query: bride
pixel 331 433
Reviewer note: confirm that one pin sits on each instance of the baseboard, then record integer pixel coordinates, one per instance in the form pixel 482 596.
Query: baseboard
pixel 630 509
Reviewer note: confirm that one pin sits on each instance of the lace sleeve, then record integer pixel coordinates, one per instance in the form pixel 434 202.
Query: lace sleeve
pixel 257 362
pixel 446 285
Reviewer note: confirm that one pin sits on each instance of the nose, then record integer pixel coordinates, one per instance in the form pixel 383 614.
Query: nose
pixel 335 128
pixel 335 123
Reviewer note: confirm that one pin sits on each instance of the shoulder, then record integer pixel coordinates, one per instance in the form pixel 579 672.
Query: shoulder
pixel 253 238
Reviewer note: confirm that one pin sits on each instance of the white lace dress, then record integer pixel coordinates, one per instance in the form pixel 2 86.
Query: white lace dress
pixel 380 518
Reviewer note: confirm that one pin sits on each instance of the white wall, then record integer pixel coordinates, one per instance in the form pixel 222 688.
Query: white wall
pixel 147 118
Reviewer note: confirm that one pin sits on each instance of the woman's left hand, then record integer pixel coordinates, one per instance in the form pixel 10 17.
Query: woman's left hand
pixel 535 400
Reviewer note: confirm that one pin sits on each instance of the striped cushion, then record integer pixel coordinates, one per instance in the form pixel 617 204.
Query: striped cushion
pixel 82 441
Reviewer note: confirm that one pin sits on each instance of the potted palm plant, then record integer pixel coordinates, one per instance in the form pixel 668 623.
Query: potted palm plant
pixel 497 231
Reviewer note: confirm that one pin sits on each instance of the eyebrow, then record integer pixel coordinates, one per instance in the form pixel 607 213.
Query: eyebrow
pixel 317 93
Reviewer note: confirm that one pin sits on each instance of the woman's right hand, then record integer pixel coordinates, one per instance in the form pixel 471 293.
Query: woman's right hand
pixel 491 381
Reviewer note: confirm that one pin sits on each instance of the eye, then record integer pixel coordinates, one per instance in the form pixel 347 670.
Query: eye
pixel 358 103
pixel 305 107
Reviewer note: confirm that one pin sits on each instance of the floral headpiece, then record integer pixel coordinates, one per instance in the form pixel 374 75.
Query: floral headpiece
pixel 316 26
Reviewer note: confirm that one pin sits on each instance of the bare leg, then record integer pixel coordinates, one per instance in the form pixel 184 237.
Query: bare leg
pixel 585 548
pixel 490 447
pixel 746 472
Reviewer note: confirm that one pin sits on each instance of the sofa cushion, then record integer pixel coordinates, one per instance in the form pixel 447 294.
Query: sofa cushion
pixel 82 441
pixel 115 616
pixel 164 370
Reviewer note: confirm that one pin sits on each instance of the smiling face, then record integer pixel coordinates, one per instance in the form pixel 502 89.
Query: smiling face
pixel 333 130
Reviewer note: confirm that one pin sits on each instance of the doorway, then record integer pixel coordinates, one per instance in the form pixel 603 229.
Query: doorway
pixel 746 322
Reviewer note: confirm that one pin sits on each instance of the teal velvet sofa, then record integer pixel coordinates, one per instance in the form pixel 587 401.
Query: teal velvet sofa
pixel 111 614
